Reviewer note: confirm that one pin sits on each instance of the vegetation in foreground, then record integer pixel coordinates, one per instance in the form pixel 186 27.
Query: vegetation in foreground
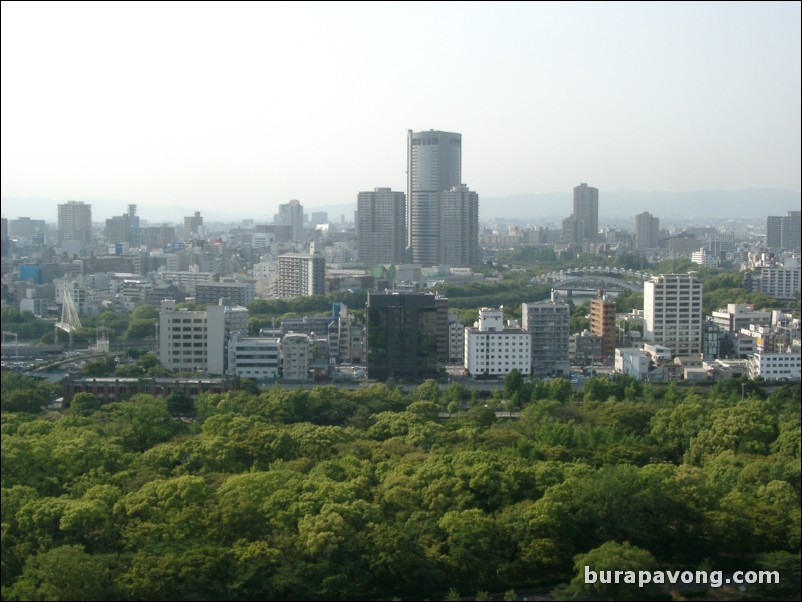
pixel 332 494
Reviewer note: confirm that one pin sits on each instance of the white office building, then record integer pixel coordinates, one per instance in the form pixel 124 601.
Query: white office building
pixel 775 366
pixel 491 349
pixel 254 357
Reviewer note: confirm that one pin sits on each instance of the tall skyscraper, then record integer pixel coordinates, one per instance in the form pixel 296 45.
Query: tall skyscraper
pixel 292 214
pixel 434 165
pixel 647 231
pixel 672 312
pixel 381 226
pixel 75 221
pixel 586 209
pixel 459 233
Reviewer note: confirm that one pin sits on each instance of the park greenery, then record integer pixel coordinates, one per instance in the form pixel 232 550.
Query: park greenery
pixel 382 493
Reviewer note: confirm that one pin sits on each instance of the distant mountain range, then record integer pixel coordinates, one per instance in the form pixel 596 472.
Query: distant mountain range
pixel 543 207
pixel 536 208
pixel 749 203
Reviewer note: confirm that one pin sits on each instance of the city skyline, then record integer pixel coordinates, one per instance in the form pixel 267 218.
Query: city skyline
pixel 638 97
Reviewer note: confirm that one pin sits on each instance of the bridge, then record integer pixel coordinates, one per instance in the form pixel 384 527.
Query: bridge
pixel 607 278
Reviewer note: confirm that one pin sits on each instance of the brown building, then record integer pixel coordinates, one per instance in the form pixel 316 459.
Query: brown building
pixel 602 322
pixel 111 389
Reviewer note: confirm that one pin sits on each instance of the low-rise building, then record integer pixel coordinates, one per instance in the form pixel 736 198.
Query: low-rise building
pixel 740 315
pixel 632 361
pixel 775 366
pixel 254 357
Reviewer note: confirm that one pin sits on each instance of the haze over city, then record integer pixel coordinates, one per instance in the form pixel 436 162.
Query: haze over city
pixel 233 109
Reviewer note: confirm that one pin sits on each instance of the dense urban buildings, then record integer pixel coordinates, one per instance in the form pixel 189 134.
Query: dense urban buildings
pixel 403 331
pixel 434 165
pixel 75 222
pixel 672 306
pixel 381 226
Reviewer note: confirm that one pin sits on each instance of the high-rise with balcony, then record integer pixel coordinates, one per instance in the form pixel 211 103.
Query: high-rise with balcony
pixel 301 275
pixel 647 229
pixel 434 166
pixel 672 307
pixel 381 226
pixel 75 221
pixel 586 209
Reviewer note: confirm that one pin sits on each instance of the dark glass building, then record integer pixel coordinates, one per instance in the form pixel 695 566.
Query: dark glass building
pixel 404 335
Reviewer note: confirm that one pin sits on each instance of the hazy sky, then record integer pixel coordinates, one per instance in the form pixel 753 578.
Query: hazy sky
pixel 236 108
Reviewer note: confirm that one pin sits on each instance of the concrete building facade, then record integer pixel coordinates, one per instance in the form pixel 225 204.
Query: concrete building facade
pixel 672 305
pixel 548 323
pixel 493 349
pixel 381 226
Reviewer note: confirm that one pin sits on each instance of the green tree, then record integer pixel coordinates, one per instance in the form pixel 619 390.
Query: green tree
pixel 84 404
pixel 513 383
pixel 62 573
pixel 601 564
pixel 179 404
pixel 428 390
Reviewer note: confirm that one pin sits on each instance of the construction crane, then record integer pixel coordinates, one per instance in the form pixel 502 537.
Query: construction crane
pixel 70 322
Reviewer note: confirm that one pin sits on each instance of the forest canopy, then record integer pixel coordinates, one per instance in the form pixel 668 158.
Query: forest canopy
pixel 325 493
